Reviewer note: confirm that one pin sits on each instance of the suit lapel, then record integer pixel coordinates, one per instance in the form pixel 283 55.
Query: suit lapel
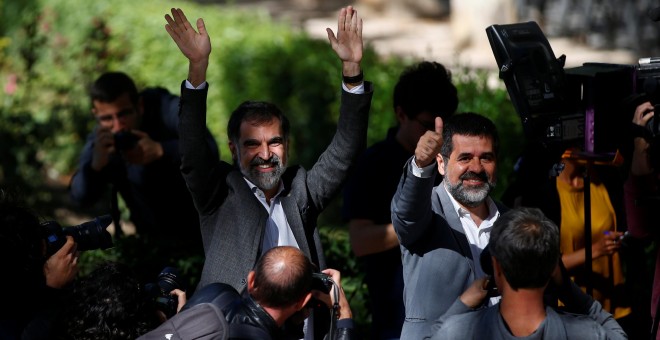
pixel 452 219
pixel 295 222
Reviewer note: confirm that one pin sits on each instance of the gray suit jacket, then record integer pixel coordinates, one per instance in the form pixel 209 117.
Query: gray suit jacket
pixel 460 322
pixel 232 219
pixel 437 262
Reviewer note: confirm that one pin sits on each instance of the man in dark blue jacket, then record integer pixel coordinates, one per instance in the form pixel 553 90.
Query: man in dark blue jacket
pixel 135 149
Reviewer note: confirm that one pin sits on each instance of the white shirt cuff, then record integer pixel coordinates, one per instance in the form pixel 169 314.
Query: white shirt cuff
pixel 200 87
pixel 356 90
pixel 424 172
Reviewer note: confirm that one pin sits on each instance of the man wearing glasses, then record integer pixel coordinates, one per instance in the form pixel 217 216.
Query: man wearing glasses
pixel 134 148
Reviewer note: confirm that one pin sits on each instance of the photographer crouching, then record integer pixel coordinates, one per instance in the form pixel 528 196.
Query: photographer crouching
pixel 281 289
pixel 641 191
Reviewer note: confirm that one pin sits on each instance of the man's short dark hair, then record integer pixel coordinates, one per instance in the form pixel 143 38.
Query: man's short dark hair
pixel 111 85
pixel 467 124
pixel 282 276
pixel 526 245
pixel 258 112
pixel 426 87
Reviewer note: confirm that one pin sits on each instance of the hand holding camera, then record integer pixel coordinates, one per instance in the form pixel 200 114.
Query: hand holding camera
pixel 61 268
pixel 332 294
pixel 63 246
pixel 143 150
pixel 168 292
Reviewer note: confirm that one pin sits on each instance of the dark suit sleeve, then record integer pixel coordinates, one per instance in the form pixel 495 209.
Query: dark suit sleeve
pixel 329 172
pixel 411 206
pixel 203 173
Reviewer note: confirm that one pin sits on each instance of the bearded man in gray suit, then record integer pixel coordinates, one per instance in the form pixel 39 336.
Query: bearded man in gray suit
pixel 442 230
pixel 263 202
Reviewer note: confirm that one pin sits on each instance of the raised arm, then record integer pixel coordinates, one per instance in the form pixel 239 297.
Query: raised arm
pixel 203 173
pixel 411 205
pixel 330 171
pixel 348 44
pixel 195 45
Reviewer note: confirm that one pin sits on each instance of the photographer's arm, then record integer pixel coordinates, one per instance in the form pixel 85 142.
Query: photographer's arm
pixel 642 181
pixel 89 182
pixel 472 298
pixel 345 324
pixel 640 161
pixel 578 302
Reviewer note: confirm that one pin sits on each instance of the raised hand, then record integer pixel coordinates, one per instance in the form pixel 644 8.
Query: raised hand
pixel 348 42
pixel 429 145
pixel 195 45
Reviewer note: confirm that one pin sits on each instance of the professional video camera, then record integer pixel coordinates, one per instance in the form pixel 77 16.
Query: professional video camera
pixel 89 235
pixel 581 107
pixel 159 292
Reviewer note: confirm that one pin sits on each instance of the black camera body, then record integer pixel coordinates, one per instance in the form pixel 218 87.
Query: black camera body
pixel 159 292
pixel 125 140
pixel 89 235
pixel 322 282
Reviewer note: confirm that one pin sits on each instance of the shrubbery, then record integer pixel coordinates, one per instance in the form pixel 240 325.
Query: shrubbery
pixel 51 50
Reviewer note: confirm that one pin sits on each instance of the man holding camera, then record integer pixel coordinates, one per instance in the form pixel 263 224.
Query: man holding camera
pixel 135 148
pixel 524 248
pixel 442 230
pixel 281 289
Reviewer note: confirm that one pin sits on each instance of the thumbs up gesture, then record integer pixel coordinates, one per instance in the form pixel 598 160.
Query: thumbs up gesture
pixel 429 145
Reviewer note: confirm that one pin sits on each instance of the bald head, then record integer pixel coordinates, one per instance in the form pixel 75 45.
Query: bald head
pixel 282 277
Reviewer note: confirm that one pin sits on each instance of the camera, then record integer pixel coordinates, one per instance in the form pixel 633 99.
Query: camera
pixel 158 292
pixel 125 140
pixel 89 235
pixel 574 107
pixel 322 282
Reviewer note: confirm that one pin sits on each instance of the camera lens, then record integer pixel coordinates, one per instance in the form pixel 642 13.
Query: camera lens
pixel 92 234
pixel 168 279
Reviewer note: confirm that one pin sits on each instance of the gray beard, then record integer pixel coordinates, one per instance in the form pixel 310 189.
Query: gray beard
pixel 264 180
pixel 472 197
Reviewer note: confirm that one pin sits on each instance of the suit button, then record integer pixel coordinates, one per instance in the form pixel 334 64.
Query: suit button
pixel 243 282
